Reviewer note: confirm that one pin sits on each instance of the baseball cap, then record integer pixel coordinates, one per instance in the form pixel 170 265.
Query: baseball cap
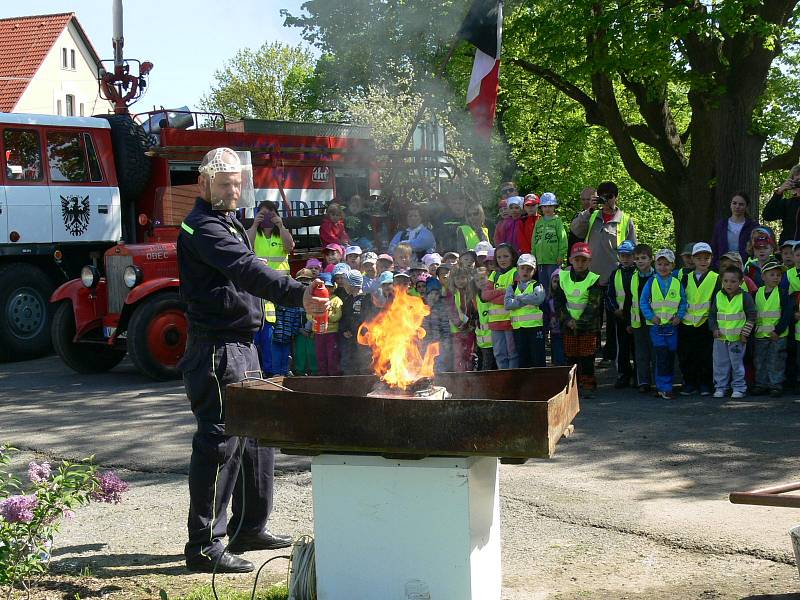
pixel 352 250
pixel 666 253
pixel 432 258
pixel 451 255
pixel 334 247
pixel 386 257
pixel 442 267
pixel 386 277
pixel 355 278
pixel 313 262
pixel 580 249
pixel 548 199
pixel 733 256
pixel 700 247
pixel 402 274
pixel 515 200
pixel 340 269
pixel 526 259
pixel 625 247
pixel 369 257
pixel 688 249
pixel 433 285
pixel 490 254
pixel 304 274
pixel 771 264
pixel 791 243
pixel 531 200
pixel 326 278
pixel 482 248
pixel 417 266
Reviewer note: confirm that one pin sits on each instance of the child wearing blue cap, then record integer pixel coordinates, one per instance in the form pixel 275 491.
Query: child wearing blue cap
pixel 619 300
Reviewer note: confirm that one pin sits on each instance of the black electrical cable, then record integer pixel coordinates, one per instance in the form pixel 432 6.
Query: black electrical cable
pixel 242 442
pixel 264 564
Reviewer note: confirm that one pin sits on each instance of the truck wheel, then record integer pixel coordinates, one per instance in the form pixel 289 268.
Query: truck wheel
pixel 129 142
pixel 25 312
pixel 81 357
pixel 157 336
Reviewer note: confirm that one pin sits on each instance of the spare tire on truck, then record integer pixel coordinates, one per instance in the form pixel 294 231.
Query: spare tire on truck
pixel 129 143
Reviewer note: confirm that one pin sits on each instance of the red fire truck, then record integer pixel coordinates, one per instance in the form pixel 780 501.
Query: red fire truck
pixel 129 301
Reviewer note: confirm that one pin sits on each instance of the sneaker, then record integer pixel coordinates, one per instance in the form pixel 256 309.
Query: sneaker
pixel 737 394
pixel 704 391
pixel 719 394
pixel 688 390
pixel 666 395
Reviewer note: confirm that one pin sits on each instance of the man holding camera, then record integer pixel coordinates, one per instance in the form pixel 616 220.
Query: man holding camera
pixel 604 226
pixel 785 207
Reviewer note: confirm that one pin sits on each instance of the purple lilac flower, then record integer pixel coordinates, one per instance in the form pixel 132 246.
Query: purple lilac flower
pixel 39 472
pixel 18 509
pixel 111 488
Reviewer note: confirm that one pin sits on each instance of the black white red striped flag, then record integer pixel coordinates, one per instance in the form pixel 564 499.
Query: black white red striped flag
pixel 483 28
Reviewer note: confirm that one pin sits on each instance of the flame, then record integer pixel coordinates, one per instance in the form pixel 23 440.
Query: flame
pixel 395 337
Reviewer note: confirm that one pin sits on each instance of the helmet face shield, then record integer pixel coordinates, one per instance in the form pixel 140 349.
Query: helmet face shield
pixel 229 179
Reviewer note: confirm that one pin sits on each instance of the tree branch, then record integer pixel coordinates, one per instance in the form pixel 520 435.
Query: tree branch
pixel 786 160
pixel 593 116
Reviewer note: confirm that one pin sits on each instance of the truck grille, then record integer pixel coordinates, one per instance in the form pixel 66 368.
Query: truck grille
pixel 117 291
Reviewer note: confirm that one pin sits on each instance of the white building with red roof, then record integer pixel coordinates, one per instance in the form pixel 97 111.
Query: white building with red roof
pixel 48 66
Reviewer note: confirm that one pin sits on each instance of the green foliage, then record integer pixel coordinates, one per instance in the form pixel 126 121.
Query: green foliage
pixel 279 592
pixel 276 81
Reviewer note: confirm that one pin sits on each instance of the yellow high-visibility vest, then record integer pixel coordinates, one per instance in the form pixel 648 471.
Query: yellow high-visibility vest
pixel 794 280
pixel 271 248
pixel 471 238
pixel 636 312
pixel 698 299
pixel 527 316
pixel 497 312
pixel 577 292
pixel 483 335
pixel 622 226
pixel 769 312
pixel 730 316
pixel 665 306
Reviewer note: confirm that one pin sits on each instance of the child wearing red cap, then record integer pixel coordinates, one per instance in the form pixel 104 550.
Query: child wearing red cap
pixel 530 208
pixel 579 305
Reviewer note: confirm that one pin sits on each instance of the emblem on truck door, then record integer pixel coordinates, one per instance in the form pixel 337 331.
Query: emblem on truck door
pixel 75 210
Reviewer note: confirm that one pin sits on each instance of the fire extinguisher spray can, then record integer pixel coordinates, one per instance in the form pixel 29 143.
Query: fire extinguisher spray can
pixel 320 320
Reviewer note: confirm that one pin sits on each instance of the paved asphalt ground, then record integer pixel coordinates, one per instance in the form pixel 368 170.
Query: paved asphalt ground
pixel 634 504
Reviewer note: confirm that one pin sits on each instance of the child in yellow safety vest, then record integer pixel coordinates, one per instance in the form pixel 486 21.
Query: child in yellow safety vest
pixel 663 305
pixel 695 342
pixel 618 301
pixel 483 335
pixel 462 315
pixel 640 329
pixel 774 314
pixel 579 305
pixel 731 319
pixel 523 300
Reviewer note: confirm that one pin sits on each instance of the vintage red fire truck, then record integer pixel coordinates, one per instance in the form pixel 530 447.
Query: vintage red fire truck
pixel 129 301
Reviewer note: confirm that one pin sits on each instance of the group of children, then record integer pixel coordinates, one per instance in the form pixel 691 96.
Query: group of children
pixel 728 332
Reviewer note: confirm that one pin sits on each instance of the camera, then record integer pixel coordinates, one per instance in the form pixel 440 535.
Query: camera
pixel 600 200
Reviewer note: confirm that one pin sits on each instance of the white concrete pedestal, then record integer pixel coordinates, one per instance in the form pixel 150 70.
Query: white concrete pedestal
pixel 406 529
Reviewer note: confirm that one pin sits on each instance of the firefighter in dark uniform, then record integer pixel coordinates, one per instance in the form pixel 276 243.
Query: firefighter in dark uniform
pixel 224 285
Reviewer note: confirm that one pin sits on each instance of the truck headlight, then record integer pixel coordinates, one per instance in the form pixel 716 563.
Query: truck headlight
pixel 89 276
pixel 132 276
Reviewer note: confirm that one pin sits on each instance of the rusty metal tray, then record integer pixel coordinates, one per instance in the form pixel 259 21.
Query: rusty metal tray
pixel 512 414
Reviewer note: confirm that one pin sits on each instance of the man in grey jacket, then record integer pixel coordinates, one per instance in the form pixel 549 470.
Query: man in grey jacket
pixel 604 226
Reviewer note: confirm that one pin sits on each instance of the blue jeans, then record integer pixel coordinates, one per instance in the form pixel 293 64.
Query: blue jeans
pixel 263 343
pixel 665 346
pixel 280 357
pixel 505 352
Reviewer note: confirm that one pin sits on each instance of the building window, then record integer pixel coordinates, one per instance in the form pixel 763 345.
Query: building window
pixel 64 63
pixel 81 105
pixel 58 107
pixel 70 105
pixel 72 59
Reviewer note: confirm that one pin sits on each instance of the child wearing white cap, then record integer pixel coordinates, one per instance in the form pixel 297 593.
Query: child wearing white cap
pixel 695 342
pixel 663 305
pixel 523 300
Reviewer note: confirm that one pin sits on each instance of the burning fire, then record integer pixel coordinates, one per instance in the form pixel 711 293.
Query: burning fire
pixel 395 337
